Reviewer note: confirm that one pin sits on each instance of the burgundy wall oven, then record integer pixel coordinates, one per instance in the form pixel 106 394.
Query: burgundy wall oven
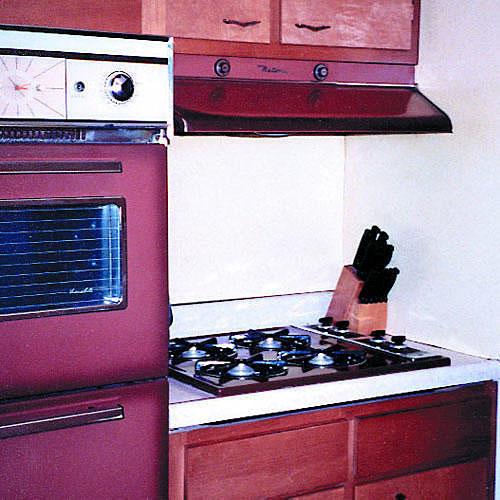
pixel 84 118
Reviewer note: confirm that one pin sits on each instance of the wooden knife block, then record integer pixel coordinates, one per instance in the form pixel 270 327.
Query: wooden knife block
pixel 345 305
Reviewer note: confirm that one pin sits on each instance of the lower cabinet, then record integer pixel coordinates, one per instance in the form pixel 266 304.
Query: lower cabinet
pixel 431 445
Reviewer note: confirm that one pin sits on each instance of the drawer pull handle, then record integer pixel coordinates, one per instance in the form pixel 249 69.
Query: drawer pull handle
pixel 241 24
pixel 64 421
pixel 312 28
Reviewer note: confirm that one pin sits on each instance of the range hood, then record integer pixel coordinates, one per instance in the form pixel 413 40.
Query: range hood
pixel 259 105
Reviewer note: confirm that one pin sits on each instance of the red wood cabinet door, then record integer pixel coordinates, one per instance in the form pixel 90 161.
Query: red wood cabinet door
pixel 102 444
pixel 370 24
pixel 335 494
pixel 111 15
pixel 467 481
pixel 423 438
pixel 242 21
pixel 265 466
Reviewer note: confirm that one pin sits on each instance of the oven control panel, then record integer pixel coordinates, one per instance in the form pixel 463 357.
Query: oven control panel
pixel 51 88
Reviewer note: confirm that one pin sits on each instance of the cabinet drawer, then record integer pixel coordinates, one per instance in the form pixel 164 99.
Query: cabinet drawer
pixel 458 482
pixel 375 24
pixel 243 21
pixel 276 464
pixel 423 438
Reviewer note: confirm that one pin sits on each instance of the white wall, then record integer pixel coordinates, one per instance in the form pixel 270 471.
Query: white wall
pixel 254 217
pixel 438 195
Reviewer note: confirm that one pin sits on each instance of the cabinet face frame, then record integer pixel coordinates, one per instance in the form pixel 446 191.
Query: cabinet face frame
pixel 122 16
pixel 154 13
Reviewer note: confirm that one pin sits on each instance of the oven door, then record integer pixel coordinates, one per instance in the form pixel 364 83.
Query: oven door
pixel 91 444
pixel 83 266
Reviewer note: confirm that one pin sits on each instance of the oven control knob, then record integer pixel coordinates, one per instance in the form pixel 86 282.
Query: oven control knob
pixel 326 321
pixel 378 334
pixel 398 339
pixel 120 86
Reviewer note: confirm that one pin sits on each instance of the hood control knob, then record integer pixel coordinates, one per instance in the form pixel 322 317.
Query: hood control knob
pixel 222 67
pixel 320 72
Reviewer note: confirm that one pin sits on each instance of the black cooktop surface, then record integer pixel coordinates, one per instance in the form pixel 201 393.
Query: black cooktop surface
pixel 259 360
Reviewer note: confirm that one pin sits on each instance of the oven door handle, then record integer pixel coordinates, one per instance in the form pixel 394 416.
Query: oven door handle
pixel 64 421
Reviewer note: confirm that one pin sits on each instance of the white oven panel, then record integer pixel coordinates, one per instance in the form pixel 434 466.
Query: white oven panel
pixel 32 87
pixel 117 91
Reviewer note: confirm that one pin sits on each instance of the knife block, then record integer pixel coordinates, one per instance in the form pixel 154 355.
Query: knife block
pixel 345 305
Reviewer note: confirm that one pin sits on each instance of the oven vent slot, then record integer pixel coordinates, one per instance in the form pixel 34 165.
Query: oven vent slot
pixel 59 257
pixel 29 135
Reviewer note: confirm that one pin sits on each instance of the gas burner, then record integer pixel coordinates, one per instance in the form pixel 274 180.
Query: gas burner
pixel 330 357
pixel 321 359
pixel 258 340
pixel 255 368
pixel 182 350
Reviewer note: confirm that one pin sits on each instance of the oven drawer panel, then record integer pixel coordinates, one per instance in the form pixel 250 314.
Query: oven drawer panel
pixel 109 443
pixel 423 438
pixel 281 463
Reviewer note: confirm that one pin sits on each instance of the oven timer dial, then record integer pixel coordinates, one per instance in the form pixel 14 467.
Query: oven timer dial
pixel 119 86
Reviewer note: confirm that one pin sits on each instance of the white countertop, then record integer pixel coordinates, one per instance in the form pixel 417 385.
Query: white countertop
pixel 191 407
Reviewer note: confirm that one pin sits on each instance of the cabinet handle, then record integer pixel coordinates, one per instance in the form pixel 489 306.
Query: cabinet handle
pixel 52 423
pixel 400 496
pixel 241 24
pixel 312 28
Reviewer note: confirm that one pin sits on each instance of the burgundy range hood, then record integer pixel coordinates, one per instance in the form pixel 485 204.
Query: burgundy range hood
pixel 263 99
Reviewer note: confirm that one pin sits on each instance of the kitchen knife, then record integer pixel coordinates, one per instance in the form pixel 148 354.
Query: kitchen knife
pixel 377 255
pixel 378 285
pixel 369 235
pixel 370 291
pixel 388 279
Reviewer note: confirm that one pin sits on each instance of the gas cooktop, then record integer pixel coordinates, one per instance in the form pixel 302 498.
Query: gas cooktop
pixel 259 360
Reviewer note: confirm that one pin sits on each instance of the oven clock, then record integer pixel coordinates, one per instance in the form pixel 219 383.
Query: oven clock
pixel 32 87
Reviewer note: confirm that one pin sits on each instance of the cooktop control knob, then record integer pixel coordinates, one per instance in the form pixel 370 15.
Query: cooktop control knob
pixel 342 326
pixel 326 321
pixel 120 86
pixel 378 334
pixel 398 339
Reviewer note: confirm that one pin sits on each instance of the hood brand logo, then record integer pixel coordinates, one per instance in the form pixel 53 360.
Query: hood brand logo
pixel 268 69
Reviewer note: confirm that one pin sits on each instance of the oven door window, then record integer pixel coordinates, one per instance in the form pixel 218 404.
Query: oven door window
pixel 61 256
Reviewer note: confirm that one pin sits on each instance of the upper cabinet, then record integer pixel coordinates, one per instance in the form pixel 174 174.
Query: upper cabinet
pixel 242 21
pixel 384 31
pixel 112 15
pixel 374 24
